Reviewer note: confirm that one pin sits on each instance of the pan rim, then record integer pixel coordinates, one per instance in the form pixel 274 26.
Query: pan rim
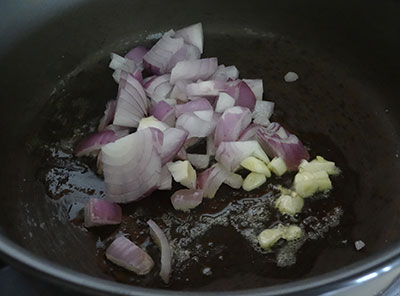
pixel 343 277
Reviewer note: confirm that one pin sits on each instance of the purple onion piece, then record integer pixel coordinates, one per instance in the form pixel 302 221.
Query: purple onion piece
pixel 100 212
pixel 128 255
pixel 186 199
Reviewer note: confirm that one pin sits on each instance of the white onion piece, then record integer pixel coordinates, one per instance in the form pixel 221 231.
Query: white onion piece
pixel 194 69
pixel 121 63
pixel 256 86
pixel 186 199
pixel 128 255
pixel 183 173
pixel 262 112
pixel 161 241
pixel 278 142
pixel 242 94
pixel 249 133
pixel 231 124
pixel 132 165
pixel 164 112
pixel 199 161
pixel 158 88
pixel 165 179
pixel 156 60
pixel 205 88
pixel 174 139
pixel 108 115
pixel 188 52
pixel 195 105
pixel 195 126
pixel 225 73
pixel 100 212
pixel 224 102
pixel 193 35
pixel 231 154
pixel 92 143
pixel 136 54
pixel 179 90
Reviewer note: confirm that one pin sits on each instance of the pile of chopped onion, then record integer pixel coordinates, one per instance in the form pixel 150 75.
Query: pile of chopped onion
pixel 170 98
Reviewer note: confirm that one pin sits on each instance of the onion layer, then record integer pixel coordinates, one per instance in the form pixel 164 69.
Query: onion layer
pixel 100 212
pixel 126 254
pixel 166 252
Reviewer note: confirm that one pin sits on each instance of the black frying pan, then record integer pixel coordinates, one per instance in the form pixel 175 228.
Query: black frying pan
pixel 55 80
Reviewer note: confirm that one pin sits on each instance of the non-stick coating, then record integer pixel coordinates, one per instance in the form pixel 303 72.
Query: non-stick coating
pixel 347 93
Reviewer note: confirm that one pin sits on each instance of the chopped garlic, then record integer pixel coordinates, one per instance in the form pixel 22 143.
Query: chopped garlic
pixel 268 237
pixel 288 204
pixel 308 183
pixel 256 166
pixel 292 232
pixel 183 172
pixel 151 121
pixel 277 166
pixel 319 164
pixel 253 181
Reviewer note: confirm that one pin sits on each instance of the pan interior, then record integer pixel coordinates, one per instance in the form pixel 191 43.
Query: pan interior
pixel 332 110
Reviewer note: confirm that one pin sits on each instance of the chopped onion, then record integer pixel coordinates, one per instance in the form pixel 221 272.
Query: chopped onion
pixel 256 86
pixel 166 179
pixel 179 90
pixel 100 212
pixel 276 141
pixel 158 88
pixel 156 60
pixel 224 102
pixel 195 126
pixel 132 104
pixel 174 139
pixel 121 63
pixel 205 88
pixel 164 112
pixel 166 252
pixel 128 255
pixel 192 35
pixel 132 165
pixel 212 178
pixel 242 94
pixel 210 146
pixel 225 73
pixel 262 112
pixel 192 106
pixel 108 115
pixel 136 54
pixel 194 69
pixel 182 155
pixel 232 122
pixel 92 143
pixel 188 52
pixel 199 161
pixel 249 133
pixel 231 154
pixel 186 199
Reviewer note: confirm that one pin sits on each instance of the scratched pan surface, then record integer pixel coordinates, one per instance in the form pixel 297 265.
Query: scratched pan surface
pixel 341 107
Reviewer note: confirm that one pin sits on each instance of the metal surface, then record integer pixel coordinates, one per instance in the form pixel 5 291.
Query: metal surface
pixel 347 92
